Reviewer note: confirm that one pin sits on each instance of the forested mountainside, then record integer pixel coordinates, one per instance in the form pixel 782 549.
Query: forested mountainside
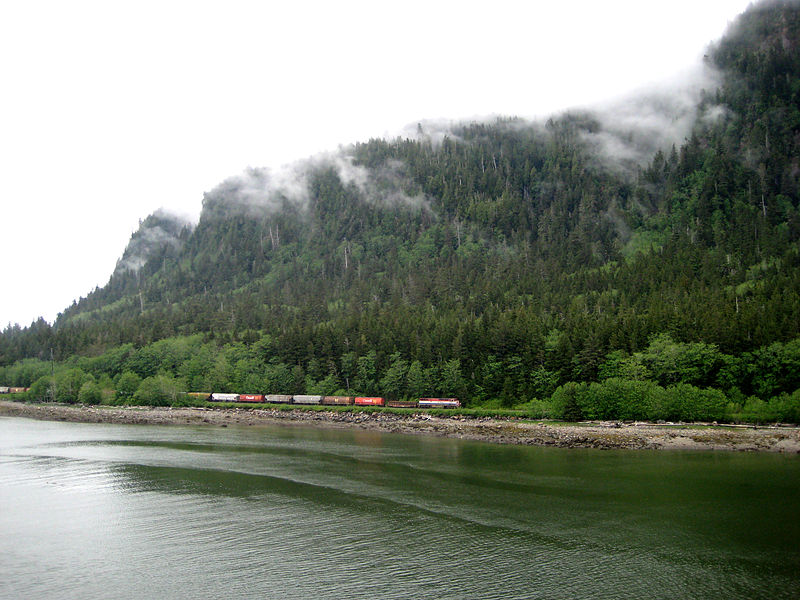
pixel 497 262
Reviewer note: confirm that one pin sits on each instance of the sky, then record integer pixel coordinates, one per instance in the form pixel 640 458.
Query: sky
pixel 110 111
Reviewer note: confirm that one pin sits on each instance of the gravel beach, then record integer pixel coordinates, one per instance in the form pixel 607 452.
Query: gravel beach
pixel 634 436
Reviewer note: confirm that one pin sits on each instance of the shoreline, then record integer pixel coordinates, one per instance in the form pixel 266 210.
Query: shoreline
pixel 609 436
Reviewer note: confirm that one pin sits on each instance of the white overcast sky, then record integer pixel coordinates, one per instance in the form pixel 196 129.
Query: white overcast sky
pixel 110 110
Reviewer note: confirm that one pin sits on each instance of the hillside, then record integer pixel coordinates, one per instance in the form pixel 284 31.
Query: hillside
pixel 501 262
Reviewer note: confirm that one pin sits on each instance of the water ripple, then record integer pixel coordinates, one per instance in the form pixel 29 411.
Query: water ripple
pixel 131 512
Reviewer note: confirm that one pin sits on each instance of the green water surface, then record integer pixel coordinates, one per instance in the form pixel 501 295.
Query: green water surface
pixel 112 511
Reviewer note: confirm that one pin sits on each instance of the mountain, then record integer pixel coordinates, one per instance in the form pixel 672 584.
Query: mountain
pixel 498 261
pixel 159 234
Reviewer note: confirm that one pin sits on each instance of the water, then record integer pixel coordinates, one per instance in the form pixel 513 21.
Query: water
pixel 113 511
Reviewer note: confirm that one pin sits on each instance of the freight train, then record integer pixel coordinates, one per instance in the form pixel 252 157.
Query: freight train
pixel 308 400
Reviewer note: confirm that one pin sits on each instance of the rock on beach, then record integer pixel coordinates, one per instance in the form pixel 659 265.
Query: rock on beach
pixel 608 436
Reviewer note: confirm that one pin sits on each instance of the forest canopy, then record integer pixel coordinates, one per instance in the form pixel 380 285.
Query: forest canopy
pixel 505 263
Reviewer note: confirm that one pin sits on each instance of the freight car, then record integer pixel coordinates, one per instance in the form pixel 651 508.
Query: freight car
pixel 278 399
pixel 251 397
pixel 304 399
pixel 337 400
pixel 312 400
pixel 362 401
pixel 224 397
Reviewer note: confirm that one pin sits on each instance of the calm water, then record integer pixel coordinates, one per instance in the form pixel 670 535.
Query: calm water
pixel 112 511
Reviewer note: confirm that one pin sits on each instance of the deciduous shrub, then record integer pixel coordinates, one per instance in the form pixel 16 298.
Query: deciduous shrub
pixel 159 390
pixel 567 400
pixel 90 393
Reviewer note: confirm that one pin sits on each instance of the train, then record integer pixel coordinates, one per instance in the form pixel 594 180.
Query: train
pixel 4 389
pixel 310 400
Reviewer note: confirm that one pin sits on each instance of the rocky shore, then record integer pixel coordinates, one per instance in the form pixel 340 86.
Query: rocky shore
pixel 635 436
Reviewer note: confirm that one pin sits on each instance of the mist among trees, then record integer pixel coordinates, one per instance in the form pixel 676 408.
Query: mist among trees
pixel 507 263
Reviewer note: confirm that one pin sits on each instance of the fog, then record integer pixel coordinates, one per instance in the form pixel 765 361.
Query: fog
pixel 634 127
pixel 161 230
pixel 111 111
pixel 261 192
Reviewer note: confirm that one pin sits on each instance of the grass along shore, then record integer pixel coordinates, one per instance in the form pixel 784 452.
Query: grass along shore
pixel 605 435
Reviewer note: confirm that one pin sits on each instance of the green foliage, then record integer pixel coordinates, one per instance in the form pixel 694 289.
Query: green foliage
pixel 787 407
pixel 618 364
pixel 670 362
pixel 366 381
pixel 393 383
pixel 780 409
pixel 543 382
pixel 619 399
pixel 23 373
pixel 111 362
pixel 126 386
pixel 159 390
pixel 419 380
pixel 327 386
pixel 42 390
pixel 90 393
pixel 689 403
pixel 497 265
pixel 644 242
pixel 567 400
pixel 774 369
pixel 538 409
pixel 452 381
pixel 68 383
pixel 278 378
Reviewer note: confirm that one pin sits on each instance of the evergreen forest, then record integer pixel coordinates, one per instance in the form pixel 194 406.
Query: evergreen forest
pixel 570 268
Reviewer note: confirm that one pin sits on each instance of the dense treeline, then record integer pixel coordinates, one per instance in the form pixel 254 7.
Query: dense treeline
pixel 507 263
pixel 668 380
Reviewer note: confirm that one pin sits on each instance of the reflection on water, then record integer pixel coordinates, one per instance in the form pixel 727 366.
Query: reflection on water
pixel 98 511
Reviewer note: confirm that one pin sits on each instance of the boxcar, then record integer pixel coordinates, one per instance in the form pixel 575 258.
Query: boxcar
pixel 361 401
pixel 251 397
pixel 439 403
pixel 334 400
pixel 278 398
pixel 224 398
pixel 4 389
pixel 304 399
pixel 199 395
pixel 17 390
